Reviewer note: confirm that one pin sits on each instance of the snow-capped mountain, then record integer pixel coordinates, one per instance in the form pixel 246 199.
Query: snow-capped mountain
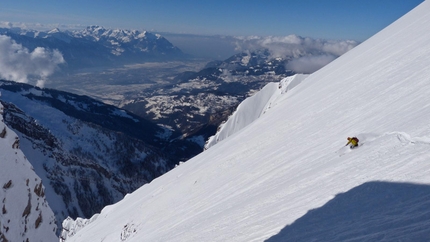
pixel 25 214
pixel 96 46
pixel 87 153
pixel 288 176
pixel 128 43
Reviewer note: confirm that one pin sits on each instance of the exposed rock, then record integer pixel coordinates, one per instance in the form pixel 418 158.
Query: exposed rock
pixel 3 133
pixel 38 189
pixel 38 220
pixel 7 185
pixel 27 209
pixel 15 144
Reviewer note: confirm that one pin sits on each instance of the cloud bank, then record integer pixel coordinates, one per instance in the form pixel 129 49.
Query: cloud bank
pixel 40 26
pixel 309 64
pixel 19 64
pixel 306 54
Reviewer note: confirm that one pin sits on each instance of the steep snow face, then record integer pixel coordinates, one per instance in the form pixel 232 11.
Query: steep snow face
pixel 289 177
pixel 25 214
pixel 253 107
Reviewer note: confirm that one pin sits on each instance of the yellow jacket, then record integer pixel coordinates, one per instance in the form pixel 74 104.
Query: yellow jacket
pixel 353 141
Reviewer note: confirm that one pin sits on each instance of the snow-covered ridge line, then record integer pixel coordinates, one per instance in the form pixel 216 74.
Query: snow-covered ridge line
pixel 71 227
pixel 95 32
pixel 253 107
pixel 125 35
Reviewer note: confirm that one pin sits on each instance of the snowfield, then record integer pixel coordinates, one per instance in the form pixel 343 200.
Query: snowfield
pixel 286 176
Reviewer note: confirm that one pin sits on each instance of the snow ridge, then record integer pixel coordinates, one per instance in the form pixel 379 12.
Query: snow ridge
pixel 71 227
pixel 253 107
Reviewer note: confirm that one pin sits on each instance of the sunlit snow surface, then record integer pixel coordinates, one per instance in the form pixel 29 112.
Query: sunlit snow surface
pixel 252 108
pixel 287 175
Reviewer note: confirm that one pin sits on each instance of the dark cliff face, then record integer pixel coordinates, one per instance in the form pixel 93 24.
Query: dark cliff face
pixel 25 214
pixel 89 110
pixel 89 154
pixel 91 173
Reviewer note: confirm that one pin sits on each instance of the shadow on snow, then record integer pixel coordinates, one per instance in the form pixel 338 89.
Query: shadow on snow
pixel 373 211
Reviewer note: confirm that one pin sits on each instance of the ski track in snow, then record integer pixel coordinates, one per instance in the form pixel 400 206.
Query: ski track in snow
pixel 368 139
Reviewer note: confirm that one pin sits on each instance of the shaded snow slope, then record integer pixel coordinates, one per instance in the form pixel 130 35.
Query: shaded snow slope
pixel 289 172
pixel 88 154
pixel 25 214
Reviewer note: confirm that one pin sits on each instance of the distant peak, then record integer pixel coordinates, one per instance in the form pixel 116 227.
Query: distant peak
pixel 95 28
pixel 55 30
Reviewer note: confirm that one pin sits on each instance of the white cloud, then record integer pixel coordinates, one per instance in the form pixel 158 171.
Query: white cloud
pixel 294 46
pixel 17 63
pixel 40 26
pixel 309 64
pixel 306 54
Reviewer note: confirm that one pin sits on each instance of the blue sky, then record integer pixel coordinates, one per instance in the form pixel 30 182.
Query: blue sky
pixel 328 19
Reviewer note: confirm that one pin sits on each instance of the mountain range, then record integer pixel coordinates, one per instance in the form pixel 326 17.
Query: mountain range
pixel 96 46
pixel 195 103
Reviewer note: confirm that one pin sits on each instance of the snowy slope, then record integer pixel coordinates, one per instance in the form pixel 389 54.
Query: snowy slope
pixel 253 107
pixel 25 214
pixel 288 177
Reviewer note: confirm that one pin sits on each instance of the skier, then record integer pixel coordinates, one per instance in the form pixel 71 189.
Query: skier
pixel 353 142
